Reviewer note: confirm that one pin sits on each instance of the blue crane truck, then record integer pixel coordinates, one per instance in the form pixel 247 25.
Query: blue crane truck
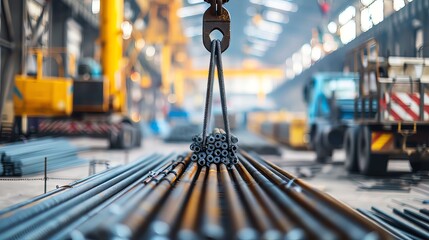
pixel 377 114
pixel 330 98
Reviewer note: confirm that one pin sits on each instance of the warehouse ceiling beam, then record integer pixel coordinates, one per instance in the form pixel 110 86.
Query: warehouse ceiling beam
pixel 80 8
pixel 37 30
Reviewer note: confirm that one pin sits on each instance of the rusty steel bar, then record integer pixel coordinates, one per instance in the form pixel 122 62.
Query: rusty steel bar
pixel 314 228
pixel 261 220
pixel 139 218
pixel 355 225
pixel 212 226
pixel 127 204
pixel 191 216
pixel 242 228
pixel 163 224
pixel 299 198
pixel 281 220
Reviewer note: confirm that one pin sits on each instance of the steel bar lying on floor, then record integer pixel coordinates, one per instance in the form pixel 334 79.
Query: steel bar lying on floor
pixel 172 197
pixel 410 222
pixel 27 158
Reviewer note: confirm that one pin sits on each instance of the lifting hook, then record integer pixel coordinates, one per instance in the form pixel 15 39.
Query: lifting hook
pixel 216 17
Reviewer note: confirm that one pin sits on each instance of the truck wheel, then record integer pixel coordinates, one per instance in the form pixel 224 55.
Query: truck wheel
pixel 370 163
pixel 127 136
pixel 323 155
pixel 350 146
pixel 418 163
pixel 138 136
pixel 419 166
pixel 123 139
pixel 114 141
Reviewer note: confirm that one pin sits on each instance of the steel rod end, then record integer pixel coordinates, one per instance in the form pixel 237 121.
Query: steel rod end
pixel 248 234
pixel 371 236
pixel 187 235
pixel 211 231
pixel 160 228
pixel 272 234
pixel 295 234
pixel 121 231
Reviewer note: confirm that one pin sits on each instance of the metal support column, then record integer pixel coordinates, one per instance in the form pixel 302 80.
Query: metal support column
pixel 12 46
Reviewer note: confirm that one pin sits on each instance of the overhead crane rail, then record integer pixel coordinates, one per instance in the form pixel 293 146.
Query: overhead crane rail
pixel 169 196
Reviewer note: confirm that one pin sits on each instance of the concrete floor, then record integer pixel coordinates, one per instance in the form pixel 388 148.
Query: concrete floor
pixel 330 178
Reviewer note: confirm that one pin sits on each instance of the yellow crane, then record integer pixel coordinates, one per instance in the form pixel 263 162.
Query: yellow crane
pixel 94 107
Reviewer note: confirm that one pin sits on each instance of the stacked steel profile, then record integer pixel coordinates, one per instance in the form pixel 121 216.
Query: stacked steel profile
pixel 215 148
pixel 172 197
pixel 27 158
pixel 408 223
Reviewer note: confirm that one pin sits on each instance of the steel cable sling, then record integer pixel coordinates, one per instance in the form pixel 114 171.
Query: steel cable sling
pixel 219 146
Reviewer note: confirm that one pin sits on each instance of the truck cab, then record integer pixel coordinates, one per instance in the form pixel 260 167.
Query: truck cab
pixel 330 111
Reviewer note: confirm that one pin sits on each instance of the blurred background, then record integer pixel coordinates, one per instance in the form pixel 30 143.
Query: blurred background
pixel 334 91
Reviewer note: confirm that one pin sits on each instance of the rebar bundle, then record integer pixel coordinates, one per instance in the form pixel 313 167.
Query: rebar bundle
pixel 27 158
pixel 219 147
pixel 171 197
pixel 215 149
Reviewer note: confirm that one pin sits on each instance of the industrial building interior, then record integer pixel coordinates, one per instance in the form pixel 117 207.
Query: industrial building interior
pixel 214 119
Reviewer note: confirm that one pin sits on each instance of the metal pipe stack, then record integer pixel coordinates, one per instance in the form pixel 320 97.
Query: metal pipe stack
pixel 20 159
pixel 172 197
pixel 215 148
pixel 407 222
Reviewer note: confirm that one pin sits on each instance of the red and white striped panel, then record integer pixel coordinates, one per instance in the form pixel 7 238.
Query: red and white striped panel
pixel 404 106
pixel 67 127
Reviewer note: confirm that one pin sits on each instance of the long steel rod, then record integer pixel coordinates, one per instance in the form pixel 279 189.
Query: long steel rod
pixel 328 206
pixel 104 211
pixel 238 216
pixel 212 225
pixel 50 193
pixel 283 222
pixel 261 220
pixel 164 223
pixel 66 199
pixel 191 216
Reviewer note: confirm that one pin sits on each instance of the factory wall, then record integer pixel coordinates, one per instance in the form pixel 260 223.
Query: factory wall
pixel 397 36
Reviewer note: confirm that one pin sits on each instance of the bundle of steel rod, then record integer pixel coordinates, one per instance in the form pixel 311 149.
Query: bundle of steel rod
pixel 215 148
pixel 171 197
pixel 407 222
pixel 20 159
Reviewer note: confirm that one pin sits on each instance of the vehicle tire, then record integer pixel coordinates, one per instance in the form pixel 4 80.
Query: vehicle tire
pixel 350 146
pixel 138 136
pixel 120 140
pixel 127 136
pixel 369 163
pixel 419 166
pixel 138 140
pixel 114 141
pixel 323 154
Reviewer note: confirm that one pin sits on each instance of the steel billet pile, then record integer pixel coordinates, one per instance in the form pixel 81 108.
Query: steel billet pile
pixel 216 149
